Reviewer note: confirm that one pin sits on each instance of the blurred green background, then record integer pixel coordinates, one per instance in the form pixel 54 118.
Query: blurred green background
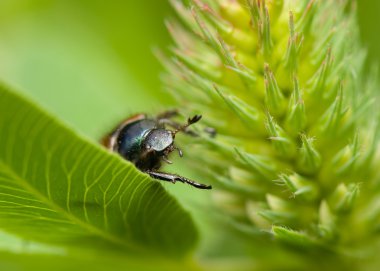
pixel 90 62
pixel 368 13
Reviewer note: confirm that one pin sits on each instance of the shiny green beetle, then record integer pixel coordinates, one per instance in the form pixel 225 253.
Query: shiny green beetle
pixel 146 143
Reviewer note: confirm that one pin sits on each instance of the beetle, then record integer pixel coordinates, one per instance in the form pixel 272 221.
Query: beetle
pixel 146 142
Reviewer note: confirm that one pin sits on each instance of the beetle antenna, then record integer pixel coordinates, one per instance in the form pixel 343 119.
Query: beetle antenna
pixel 190 121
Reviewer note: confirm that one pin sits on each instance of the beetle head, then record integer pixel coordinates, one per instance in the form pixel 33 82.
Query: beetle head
pixel 159 140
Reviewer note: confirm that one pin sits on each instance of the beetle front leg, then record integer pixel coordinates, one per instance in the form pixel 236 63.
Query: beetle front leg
pixel 167 114
pixel 173 178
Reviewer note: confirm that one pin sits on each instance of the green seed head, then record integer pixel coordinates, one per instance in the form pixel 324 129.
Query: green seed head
pixel 281 81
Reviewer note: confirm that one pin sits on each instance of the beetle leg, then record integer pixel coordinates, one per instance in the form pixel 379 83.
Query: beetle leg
pixel 167 114
pixel 169 122
pixel 165 158
pixel 168 177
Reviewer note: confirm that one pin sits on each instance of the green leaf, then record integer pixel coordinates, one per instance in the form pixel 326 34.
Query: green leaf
pixel 17 254
pixel 57 187
pixel 97 262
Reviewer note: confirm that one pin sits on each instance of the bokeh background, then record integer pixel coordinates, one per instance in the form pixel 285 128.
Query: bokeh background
pixel 90 63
